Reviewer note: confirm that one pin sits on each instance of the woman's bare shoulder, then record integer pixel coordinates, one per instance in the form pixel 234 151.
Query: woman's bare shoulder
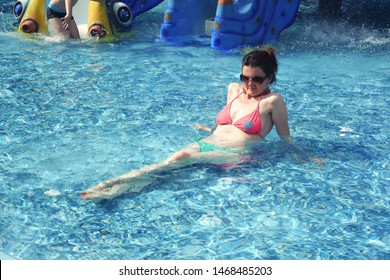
pixel 275 97
pixel 234 89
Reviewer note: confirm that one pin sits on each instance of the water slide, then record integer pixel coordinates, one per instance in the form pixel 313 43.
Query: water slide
pixel 230 23
pixel 251 22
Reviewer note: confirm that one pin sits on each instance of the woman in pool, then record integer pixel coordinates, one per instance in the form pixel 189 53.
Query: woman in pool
pixel 59 16
pixel 252 110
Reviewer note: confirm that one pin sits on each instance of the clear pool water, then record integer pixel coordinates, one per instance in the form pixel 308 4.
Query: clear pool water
pixel 74 114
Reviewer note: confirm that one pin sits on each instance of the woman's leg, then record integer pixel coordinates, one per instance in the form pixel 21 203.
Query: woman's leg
pixel 135 180
pixel 73 30
pixel 56 25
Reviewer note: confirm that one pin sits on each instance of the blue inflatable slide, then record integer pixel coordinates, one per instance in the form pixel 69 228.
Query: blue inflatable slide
pixel 229 23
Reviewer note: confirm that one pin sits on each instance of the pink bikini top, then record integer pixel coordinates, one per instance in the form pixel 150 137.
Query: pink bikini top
pixel 250 123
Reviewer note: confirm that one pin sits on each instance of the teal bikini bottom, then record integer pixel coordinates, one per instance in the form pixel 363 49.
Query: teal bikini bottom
pixel 207 147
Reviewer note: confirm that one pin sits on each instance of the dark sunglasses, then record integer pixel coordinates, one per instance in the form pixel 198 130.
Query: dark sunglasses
pixel 256 79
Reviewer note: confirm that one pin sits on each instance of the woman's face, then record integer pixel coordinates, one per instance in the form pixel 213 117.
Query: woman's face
pixel 255 80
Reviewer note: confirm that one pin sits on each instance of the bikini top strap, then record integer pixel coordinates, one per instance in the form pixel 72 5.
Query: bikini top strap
pixel 268 91
pixel 236 97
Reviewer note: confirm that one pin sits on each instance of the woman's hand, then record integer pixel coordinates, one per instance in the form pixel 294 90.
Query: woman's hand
pixel 201 127
pixel 65 21
pixel 289 141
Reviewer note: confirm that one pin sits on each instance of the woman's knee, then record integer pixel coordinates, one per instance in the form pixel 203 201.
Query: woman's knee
pixel 189 152
pixel 180 155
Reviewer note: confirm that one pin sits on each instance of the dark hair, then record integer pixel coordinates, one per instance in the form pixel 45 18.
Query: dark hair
pixel 264 59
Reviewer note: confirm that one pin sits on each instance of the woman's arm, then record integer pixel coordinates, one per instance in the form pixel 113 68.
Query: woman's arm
pixel 280 119
pixel 203 127
pixel 69 12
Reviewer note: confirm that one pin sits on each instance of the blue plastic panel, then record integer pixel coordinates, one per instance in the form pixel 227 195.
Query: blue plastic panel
pixel 236 22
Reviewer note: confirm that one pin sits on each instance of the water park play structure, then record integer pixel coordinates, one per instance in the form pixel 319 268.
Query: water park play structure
pixel 228 23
